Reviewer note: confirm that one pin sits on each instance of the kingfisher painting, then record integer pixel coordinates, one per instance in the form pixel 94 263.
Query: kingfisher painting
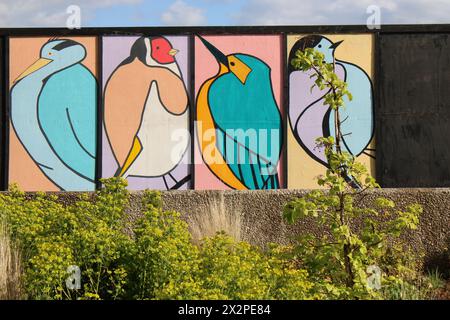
pixel 54 115
pixel 238 107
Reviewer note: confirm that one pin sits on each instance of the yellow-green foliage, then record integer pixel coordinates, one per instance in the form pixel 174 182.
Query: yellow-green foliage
pixel 169 266
pixel 87 234
pixel 237 271
pixel 342 260
pixel 157 260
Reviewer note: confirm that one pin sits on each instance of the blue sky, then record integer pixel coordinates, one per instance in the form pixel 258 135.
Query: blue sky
pixel 151 12
pixel 96 13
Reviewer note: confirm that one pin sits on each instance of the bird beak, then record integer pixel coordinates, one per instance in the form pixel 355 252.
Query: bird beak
pixel 39 64
pixel 220 57
pixel 173 52
pixel 336 44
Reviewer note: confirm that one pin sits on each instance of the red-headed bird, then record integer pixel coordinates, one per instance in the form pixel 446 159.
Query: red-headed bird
pixel 145 104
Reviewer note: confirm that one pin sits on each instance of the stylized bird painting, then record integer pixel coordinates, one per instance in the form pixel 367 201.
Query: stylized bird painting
pixel 53 113
pixel 145 105
pixel 237 108
pixel 308 116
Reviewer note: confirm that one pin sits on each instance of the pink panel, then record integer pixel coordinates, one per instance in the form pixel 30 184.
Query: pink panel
pixel 265 47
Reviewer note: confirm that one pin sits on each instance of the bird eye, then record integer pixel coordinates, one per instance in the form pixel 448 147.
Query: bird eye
pixel 320 46
pixel 49 53
pixel 232 64
pixel 157 48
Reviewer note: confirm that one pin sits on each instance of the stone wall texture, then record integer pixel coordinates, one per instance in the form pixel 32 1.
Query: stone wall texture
pixel 256 216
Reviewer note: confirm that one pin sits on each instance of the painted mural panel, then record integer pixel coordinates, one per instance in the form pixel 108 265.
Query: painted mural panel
pixel 310 119
pixel 146 111
pixel 53 101
pixel 238 112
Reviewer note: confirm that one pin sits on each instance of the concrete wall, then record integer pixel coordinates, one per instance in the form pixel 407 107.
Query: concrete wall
pixel 256 216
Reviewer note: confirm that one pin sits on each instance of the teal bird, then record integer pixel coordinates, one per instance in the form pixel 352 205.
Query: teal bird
pixel 239 107
pixel 53 112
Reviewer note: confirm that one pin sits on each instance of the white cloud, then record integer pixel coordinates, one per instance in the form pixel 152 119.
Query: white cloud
pixel 181 14
pixel 288 12
pixel 49 13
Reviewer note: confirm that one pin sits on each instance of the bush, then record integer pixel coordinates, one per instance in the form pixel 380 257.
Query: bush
pixel 157 260
pixel 348 261
pixel 87 234
pixel 240 271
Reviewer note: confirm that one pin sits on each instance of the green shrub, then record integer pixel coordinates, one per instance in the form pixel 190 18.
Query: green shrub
pixel 238 271
pixel 157 260
pixel 356 248
pixel 87 234
pixel 169 266
pixel 164 255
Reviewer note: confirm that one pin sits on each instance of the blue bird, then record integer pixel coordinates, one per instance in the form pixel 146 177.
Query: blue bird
pixel 309 117
pixel 53 112
pixel 238 107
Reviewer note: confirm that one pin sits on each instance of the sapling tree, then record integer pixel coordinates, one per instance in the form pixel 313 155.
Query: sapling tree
pixel 354 237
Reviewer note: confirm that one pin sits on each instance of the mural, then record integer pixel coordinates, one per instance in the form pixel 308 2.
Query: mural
pixel 146 117
pixel 53 114
pixel 310 119
pixel 145 133
pixel 239 125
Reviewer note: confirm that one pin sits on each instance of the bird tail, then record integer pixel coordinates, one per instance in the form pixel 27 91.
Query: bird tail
pixel 272 182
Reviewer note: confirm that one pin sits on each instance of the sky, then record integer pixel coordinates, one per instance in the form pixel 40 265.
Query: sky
pixel 123 13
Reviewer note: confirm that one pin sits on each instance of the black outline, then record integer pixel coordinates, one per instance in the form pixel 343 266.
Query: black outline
pixel 66 43
pixel 43 165
pixel 182 182
pixel 165 182
pixel 99 113
pixel 192 108
pixel 75 134
pixel 172 177
pixel 5 114
pixel 379 169
pixel 222 30
pixel 285 103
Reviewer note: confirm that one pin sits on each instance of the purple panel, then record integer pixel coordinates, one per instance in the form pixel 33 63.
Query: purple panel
pixel 115 50
pixel 306 109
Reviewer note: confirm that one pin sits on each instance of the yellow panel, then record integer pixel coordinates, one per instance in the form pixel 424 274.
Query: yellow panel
pixel 302 169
